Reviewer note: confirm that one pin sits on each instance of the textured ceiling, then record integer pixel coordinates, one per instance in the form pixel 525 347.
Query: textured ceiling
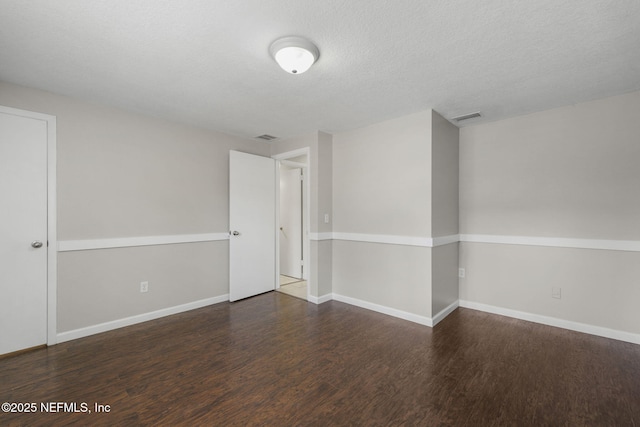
pixel 206 62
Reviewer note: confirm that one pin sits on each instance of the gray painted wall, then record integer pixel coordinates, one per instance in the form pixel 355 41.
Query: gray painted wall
pixel 444 211
pixel 599 288
pixel 325 206
pixel 444 277
pixel 320 145
pixel 382 186
pixel 394 276
pixel 398 177
pixel 569 172
pixel 98 286
pixel 122 174
pixel 382 179
pixel 444 176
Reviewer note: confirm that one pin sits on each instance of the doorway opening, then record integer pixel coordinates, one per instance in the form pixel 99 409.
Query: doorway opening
pixel 293 240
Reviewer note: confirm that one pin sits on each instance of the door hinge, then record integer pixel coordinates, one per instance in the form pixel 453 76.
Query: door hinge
pixel 301 262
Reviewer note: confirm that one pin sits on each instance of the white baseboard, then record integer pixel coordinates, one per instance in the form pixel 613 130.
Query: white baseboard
pixel 423 320
pixel 444 313
pixel 320 299
pixel 128 321
pixel 553 321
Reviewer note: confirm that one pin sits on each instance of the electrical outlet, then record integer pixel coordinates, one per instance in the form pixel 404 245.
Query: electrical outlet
pixel 326 218
pixel 556 292
pixel 461 273
pixel 144 286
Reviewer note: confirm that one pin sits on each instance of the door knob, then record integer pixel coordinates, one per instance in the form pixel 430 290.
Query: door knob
pixel 36 244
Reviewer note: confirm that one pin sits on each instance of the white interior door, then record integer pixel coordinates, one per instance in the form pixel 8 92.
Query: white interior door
pixel 291 222
pixel 23 226
pixel 252 220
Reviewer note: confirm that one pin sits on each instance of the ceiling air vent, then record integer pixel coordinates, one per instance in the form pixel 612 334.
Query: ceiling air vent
pixel 467 116
pixel 267 137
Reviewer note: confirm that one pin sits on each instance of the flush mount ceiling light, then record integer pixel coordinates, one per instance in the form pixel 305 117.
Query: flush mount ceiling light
pixel 295 55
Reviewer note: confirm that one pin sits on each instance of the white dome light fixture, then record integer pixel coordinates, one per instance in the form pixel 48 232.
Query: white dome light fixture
pixel 295 55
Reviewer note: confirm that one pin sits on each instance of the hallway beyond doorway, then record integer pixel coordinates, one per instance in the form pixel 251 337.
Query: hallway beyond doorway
pixel 294 287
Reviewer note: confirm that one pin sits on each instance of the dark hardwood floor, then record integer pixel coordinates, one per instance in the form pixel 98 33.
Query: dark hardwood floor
pixel 275 360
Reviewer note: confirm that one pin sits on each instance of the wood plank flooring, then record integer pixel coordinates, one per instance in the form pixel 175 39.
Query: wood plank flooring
pixel 275 360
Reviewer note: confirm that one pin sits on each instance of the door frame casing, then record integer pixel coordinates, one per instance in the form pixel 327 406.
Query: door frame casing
pixel 306 214
pixel 52 237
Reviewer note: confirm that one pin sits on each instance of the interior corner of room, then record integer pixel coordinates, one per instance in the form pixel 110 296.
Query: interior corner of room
pixel 534 210
pixel 189 156
pixel 320 213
